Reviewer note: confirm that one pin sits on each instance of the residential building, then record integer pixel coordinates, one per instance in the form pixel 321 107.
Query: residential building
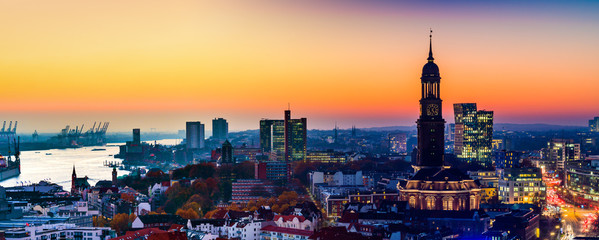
pixel 59 231
pixel 398 143
pixel 272 170
pixel 194 135
pixel 220 129
pixel 282 233
pixel 244 190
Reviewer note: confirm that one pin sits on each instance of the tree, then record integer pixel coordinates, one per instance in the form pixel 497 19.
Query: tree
pixel 100 221
pixel 120 223
pixel 188 213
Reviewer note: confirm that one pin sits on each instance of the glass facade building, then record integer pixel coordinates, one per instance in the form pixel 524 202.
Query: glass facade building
pixel 473 142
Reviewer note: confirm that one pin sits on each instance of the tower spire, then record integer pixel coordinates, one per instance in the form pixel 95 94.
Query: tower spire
pixel 430 47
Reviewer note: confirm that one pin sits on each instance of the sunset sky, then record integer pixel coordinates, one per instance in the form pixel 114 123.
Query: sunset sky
pixel 157 64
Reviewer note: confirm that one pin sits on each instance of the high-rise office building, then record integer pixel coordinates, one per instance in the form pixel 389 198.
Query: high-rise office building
pixel 473 134
pixel 295 138
pixel 272 138
pixel 220 129
pixel 284 138
pixel 194 132
pixel 560 151
pixel 594 124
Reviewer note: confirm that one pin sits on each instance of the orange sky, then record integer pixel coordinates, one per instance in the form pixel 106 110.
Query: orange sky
pixel 156 64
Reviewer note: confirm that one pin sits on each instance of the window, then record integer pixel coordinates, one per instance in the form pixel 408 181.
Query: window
pixel 473 203
pixel 430 203
pixel 448 203
pixel 412 201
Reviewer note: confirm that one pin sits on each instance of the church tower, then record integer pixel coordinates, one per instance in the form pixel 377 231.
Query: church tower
pixel 435 186
pixel 431 126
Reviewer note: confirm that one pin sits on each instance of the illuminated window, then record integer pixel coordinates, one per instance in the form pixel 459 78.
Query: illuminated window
pixel 430 203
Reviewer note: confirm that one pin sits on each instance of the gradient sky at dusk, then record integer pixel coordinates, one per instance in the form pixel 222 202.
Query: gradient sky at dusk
pixel 157 64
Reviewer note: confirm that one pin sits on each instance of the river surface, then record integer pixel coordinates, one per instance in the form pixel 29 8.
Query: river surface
pixel 56 165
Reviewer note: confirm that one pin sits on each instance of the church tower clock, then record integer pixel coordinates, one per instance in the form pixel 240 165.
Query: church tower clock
pixel 431 126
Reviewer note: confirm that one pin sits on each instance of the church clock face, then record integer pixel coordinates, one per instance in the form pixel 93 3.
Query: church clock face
pixel 432 110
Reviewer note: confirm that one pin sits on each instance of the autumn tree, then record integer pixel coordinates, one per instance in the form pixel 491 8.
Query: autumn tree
pixel 120 223
pixel 188 213
pixel 100 221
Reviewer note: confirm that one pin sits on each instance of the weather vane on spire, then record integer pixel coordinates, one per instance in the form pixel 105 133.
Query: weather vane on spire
pixel 430 47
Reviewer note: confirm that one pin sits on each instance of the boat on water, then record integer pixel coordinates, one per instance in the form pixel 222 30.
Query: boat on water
pixel 48 153
pixel 99 149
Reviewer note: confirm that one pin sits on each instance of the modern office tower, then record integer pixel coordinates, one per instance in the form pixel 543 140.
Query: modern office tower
pixel 220 129
pixel 449 137
pixel 473 134
pixel 284 138
pixel 227 153
pixel 594 124
pixel 560 151
pixel 272 138
pixel 194 135
pixel 295 138
pixel 398 143
pixel 435 186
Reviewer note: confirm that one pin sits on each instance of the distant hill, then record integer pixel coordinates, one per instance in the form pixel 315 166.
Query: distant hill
pixel 536 127
pixel 391 128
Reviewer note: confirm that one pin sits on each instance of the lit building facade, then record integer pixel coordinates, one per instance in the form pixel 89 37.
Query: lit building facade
pixel 507 159
pixel 286 139
pixel 295 138
pixel 326 157
pixel 473 134
pixel 582 177
pixel 435 186
pixel 560 151
pixel 272 138
pixel 521 185
pixel 398 143
pixel 594 124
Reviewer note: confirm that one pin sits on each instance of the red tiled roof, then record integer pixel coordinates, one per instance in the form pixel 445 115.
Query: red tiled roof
pixel 168 236
pixel 139 233
pixel 289 218
pixel 176 227
pixel 220 214
pixel 292 231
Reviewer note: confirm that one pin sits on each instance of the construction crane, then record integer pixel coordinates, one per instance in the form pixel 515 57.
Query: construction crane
pixel 4 126
pixel 15 128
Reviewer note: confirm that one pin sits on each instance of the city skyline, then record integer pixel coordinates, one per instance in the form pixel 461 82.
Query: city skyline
pixel 348 62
